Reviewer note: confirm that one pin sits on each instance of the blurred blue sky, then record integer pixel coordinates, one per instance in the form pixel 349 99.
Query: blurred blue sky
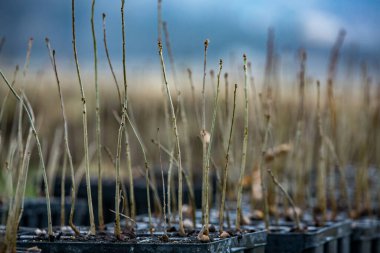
pixel 233 27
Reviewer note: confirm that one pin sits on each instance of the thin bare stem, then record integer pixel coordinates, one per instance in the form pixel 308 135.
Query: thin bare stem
pixel 208 155
pixel 117 230
pixel 127 147
pixel 31 121
pixel 321 175
pixel 98 130
pixel 109 60
pixel 288 197
pixel 182 109
pixel 84 121
pixel 63 180
pixel 159 20
pixel 66 138
pixel 226 95
pixel 3 105
pixel 334 57
pixel 195 104
pixel 225 176
pixel 298 153
pixel 244 150
pixel 123 48
pixel 186 176
pixel 17 207
pixel 345 191
pixel 175 130
pixel 203 132
pixel 157 201
pixel 163 181
pixel 27 58
pixel 2 42
pixel 20 144
pixel 146 171
pixel 124 189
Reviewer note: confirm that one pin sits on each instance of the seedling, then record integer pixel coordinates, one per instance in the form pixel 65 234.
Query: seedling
pixel 66 139
pixel 204 135
pixel 225 176
pixel 185 123
pixel 84 122
pixel 244 150
pixel 98 131
pixel 126 135
pixel 208 155
pixel 175 129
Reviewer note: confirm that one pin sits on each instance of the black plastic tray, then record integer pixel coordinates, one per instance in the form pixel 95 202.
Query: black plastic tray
pixel 334 237
pixel 35 212
pixel 249 243
pixel 365 237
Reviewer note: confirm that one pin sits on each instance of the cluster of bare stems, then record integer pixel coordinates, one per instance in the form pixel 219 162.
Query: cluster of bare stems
pixel 265 152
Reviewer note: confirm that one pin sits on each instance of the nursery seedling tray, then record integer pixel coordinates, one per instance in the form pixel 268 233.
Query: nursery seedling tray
pixel 334 237
pixel 365 237
pixel 252 242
